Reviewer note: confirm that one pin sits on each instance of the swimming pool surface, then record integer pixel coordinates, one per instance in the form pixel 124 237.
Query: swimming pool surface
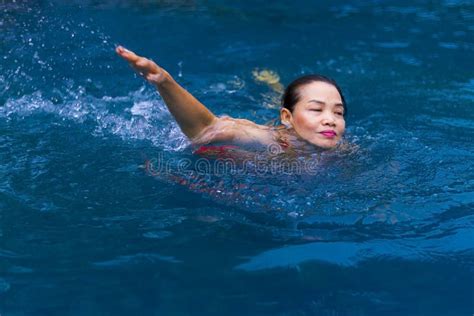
pixel 386 229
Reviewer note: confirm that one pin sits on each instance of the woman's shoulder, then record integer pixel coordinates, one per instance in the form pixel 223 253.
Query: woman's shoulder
pixel 235 130
pixel 238 122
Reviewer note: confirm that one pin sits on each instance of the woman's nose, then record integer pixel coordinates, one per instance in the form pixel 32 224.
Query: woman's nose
pixel 329 120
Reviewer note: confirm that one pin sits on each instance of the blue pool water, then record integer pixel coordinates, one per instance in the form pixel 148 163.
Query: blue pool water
pixel 386 229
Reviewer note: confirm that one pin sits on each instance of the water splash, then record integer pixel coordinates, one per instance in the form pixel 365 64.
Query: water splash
pixel 147 118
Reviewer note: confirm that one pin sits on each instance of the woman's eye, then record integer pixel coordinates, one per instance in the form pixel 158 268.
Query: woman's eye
pixel 316 110
pixel 339 113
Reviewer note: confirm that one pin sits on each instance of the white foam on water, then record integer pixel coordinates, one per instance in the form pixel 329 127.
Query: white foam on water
pixel 147 118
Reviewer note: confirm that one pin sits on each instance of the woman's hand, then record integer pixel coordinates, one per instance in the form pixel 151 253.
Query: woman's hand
pixel 145 67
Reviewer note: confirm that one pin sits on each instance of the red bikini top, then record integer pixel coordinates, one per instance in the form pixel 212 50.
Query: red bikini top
pixel 220 151
pixel 223 151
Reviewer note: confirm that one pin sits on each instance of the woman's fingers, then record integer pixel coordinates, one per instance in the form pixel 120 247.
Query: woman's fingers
pixel 144 67
pixel 126 54
pixel 140 64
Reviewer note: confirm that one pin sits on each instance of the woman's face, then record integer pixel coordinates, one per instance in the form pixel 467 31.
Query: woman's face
pixel 318 117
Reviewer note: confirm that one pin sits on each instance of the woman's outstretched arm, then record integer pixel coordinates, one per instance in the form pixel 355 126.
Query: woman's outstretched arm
pixel 192 116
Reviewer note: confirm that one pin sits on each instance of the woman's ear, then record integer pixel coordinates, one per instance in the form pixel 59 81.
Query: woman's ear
pixel 286 118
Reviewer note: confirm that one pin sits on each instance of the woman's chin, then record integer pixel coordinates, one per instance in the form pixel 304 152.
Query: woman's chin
pixel 321 141
pixel 326 143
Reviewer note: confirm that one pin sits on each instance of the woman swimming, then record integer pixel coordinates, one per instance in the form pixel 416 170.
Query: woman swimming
pixel 313 111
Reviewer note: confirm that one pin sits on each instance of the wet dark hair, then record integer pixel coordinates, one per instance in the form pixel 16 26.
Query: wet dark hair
pixel 291 95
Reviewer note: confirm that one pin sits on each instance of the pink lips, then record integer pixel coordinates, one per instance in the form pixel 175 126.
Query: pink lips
pixel 328 133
